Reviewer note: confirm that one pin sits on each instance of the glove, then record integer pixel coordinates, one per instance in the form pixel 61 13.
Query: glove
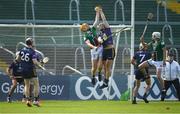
pixel 45 60
pixel 105 37
pixel 12 77
pixel 100 40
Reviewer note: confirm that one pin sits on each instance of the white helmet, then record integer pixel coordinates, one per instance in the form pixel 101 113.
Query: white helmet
pixel 156 35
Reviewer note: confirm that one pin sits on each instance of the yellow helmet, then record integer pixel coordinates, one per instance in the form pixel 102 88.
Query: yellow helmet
pixel 84 27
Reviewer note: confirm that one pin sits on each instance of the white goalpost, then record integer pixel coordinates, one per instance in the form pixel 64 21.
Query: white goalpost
pixel 131 28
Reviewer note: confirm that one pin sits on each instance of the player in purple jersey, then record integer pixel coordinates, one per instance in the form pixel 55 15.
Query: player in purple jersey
pixel 28 58
pixel 139 57
pixel 106 40
pixel 14 71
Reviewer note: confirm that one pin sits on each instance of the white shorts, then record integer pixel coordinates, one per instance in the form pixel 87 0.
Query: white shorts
pixel 96 54
pixel 157 64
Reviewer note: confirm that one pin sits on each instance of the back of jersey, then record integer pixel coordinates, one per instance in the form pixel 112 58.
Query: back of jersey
pixel 27 55
pixel 142 56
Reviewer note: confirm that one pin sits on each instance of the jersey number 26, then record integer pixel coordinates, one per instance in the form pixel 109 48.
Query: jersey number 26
pixel 25 56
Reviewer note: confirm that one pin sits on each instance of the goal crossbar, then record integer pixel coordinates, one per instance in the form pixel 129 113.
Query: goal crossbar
pixel 54 26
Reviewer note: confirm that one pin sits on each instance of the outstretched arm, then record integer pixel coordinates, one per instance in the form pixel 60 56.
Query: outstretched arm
pixel 104 19
pixel 96 22
pixel 133 61
pixel 89 44
pixel 142 40
pixel 38 64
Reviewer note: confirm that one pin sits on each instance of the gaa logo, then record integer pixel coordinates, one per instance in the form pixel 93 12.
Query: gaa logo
pixel 155 91
pixel 84 90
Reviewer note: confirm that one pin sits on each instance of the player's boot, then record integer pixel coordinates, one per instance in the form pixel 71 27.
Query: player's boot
pixel 9 99
pixel 105 84
pixel 28 103
pixel 163 94
pixel 134 102
pixel 23 100
pixel 36 103
pixel 99 77
pixel 93 81
pixel 145 100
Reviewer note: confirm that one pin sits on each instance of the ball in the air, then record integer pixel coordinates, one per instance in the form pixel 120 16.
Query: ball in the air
pixel 97 8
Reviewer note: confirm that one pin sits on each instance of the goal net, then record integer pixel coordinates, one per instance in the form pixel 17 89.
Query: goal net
pixel 61 43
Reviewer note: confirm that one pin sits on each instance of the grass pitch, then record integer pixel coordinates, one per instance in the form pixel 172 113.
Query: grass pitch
pixel 92 107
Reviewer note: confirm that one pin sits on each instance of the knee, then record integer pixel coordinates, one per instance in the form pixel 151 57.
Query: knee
pixel 148 85
pixel 14 84
pixel 137 86
pixel 159 77
pixel 93 68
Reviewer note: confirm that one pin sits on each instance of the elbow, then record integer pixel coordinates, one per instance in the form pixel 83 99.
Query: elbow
pixel 132 62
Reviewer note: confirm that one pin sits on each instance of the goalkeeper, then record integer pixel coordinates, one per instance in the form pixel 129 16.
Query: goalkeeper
pixel 95 47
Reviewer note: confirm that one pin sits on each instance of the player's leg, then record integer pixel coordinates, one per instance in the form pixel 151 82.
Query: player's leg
pixel 177 87
pixel 11 91
pixel 108 64
pixel 108 56
pixel 36 91
pixel 27 92
pixel 135 90
pixel 108 68
pixel 100 64
pixel 93 70
pixel 94 62
pixel 31 90
pixel 158 73
pixel 106 80
pixel 148 83
pixel 21 81
pixel 167 84
pixel 143 65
